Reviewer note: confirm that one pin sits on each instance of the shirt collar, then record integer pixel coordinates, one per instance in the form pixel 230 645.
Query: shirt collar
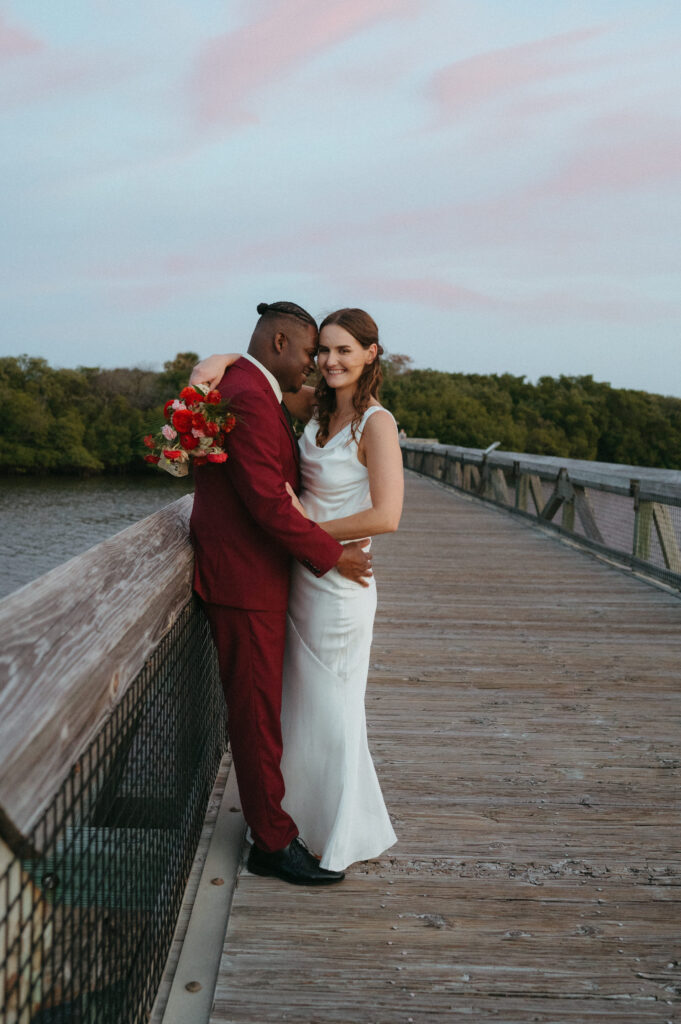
pixel 274 383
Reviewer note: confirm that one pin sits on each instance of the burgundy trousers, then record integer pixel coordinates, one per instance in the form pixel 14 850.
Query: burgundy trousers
pixel 250 646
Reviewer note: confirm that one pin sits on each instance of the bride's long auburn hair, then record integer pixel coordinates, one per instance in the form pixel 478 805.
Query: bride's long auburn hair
pixel 363 329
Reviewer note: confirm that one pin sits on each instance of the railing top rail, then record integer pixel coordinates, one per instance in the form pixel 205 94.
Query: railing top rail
pixel 654 484
pixel 70 644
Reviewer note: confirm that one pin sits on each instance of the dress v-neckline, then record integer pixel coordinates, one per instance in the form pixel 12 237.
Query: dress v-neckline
pixel 333 437
pixel 343 429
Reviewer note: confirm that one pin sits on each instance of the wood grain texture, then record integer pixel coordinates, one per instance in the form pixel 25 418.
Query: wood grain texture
pixel 523 710
pixel 71 643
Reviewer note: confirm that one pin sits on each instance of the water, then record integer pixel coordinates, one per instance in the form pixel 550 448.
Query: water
pixel 47 520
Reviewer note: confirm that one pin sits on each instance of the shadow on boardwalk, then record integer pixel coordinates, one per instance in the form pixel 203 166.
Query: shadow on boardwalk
pixel 523 711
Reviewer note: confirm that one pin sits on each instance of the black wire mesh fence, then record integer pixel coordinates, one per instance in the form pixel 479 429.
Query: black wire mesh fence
pixel 634 519
pixel 88 906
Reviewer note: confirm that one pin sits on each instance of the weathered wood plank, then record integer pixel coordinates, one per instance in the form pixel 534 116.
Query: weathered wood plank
pixel 499 487
pixel 471 477
pixel 642 529
pixel 71 642
pixel 522 492
pixel 665 532
pixel 525 727
pixel 537 493
pixel 586 515
pixel 24 914
pixel 451 472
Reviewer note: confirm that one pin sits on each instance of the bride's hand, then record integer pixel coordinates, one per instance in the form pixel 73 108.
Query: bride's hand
pixel 295 501
pixel 210 371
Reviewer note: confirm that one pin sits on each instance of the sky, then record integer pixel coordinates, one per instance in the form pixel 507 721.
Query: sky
pixel 498 182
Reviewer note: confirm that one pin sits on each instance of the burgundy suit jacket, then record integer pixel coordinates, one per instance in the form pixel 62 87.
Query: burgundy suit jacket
pixel 243 526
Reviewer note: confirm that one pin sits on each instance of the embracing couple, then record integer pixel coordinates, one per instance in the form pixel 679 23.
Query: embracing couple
pixel 281 537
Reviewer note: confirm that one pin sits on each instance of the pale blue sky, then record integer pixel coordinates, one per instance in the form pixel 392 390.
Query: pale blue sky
pixel 496 182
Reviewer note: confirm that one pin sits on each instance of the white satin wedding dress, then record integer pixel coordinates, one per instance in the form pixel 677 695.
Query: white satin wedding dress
pixel 332 792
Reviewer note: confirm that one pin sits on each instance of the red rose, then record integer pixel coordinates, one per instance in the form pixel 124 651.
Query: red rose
pixel 182 420
pixel 217 457
pixel 213 397
pixel 200 460
pixel 188 441
pixel 151 458
pixel 190 394
pixel 172 454
pixel 229 424
pixel 211 429
pixel 167 407
pixel 199 421
pixel 149 441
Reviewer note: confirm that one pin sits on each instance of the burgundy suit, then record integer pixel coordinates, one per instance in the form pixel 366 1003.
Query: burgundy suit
pixel 244 531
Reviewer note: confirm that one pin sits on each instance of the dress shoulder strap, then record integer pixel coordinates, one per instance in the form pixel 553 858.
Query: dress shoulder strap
pixel 369 412
pixel 375 408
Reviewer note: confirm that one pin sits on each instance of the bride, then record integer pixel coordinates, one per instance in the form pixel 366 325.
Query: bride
pixel 352 485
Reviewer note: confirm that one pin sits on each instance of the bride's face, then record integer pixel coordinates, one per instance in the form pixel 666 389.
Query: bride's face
pixel 341 359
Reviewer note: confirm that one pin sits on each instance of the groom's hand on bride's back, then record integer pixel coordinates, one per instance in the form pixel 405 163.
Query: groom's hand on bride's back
pixel 354 563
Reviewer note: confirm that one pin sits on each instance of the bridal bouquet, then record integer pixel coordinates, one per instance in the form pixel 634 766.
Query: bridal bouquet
pixel 197 424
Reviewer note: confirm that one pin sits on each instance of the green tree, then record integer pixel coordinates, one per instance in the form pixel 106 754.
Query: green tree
pixel 92 420
pixel 176 372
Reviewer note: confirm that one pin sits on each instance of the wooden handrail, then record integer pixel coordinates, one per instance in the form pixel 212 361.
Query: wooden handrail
pixel 515 480
pixel 655 484
pixel 71 642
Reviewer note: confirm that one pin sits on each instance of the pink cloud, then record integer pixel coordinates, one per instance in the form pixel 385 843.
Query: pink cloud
pixel 233 66
pixel 157 279
pixel 487 76
pixel 51 71
pixel 16 42
pixel 625 151
pixel 543 305
pixel 426 291
pixel 54 73
pixel 147 296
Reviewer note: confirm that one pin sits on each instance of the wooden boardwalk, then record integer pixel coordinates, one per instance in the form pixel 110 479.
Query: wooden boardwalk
pixel 524 713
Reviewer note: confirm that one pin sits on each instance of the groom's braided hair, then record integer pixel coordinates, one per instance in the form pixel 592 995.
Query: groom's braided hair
pixel 275 309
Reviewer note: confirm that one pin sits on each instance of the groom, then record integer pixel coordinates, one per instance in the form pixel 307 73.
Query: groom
pixel 245 530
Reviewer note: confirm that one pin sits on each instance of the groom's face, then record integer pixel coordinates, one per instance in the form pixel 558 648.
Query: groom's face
pixel 296 359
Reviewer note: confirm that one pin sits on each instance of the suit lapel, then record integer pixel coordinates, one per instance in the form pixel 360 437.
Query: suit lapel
pixel 255 374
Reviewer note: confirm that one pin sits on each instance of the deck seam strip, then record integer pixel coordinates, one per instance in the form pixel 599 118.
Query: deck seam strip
pixel 201 952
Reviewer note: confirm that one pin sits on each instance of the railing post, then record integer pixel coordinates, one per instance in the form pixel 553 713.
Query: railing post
pixel 484 485
pixel 465 474
pixel 445 467
pixel 522 487
pixel 643 521
pixel 567 492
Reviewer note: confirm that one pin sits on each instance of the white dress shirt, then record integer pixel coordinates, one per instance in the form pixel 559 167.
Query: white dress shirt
pixel 270 376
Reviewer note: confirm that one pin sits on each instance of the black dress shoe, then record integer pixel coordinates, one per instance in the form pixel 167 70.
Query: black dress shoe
pixel 293 864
